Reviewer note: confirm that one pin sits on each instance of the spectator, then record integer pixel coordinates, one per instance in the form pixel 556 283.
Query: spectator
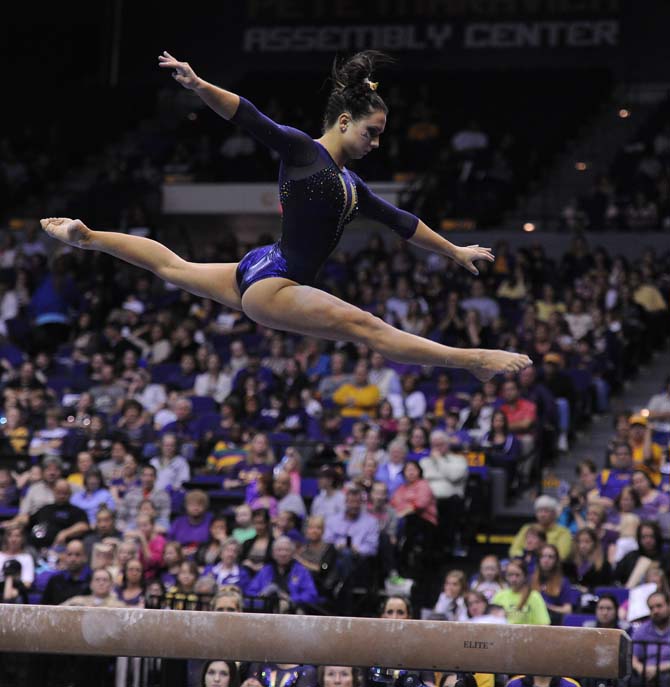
pixel 476 418
pixel 134 425
pixel 396 607
pixel 503 449
pixel 73 581
pixel 58 522
pixel 480 611
pixel 151 544
pixel 446 473
pixel 9 495
pixel 330 499
pixel 49 439
pixel 215 382
pixel 607 614
pixel 84 463
pixel 416 506
pixel 653 502
pixel 587 476
pixel 489 579
pixel 358 398
pixel 101 587
pixel 549 580
pixel 112 467
pixel 646 454
pixel 94 495
pixel 108 395
pixel 209 552
pixel 521 418
pixel 354 530
pixel 391 472
pixel 151 396
pixel 573 515
pixel 183 379
pixel 659 415
pixel 418 444
pixel 384 378
pixel 148 489
pixel 284 578
pixel 185 427
pixel 228 600
pixel 243 530
pixel 546 513
pixel 652 661
pixel 256 552
pixel 649 545
pixel 260 494
pixel 612 480
pixel 13 549
pixel 411 401
pixel 227 570
pixel 192 529
pixel 286 501
pixel 41 493
pixel 103 528
pixel 182 594
pixel 131 591
pixel 372 448
pixel 172 469
pixel 387 519
pixel 445 399
pixel 260 458
pixel 485 306
pixel 219 674
pixel 522 605
pixel 591 568
pixel 130 477
pixel 451 602
pixel 173 557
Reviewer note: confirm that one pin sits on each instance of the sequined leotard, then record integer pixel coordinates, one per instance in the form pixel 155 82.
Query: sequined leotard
pixel 318 199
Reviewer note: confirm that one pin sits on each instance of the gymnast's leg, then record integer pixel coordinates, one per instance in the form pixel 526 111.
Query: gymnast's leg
pixel 208 280
pixel 282 304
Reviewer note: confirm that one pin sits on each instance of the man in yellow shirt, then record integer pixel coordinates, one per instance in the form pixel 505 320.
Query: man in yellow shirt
pixel 645 451
pixel 358 398
pixel 546 512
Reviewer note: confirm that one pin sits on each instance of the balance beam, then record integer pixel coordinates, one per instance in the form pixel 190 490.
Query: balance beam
pixel 410 644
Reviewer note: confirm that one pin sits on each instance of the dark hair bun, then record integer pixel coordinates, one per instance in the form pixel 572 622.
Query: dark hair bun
pixel 353 89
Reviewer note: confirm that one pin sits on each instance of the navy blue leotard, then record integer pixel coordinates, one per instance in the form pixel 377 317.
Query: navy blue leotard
pixel 318 199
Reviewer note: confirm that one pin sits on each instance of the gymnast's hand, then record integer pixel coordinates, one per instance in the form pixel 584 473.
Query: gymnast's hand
pixel 465 256
pixel 182 71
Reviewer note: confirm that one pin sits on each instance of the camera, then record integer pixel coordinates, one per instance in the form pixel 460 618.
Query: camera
pixel 391 677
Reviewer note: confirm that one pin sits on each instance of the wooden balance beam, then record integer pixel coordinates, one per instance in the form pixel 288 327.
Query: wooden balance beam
pixel 409 644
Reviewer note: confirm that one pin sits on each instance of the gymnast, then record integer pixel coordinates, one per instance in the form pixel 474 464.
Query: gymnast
pixel 274 285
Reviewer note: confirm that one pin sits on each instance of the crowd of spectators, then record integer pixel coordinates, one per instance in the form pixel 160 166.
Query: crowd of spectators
pixel 158 448
pixel 634 195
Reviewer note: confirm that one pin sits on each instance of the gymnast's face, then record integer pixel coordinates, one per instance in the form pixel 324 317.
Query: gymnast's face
pixel 360 136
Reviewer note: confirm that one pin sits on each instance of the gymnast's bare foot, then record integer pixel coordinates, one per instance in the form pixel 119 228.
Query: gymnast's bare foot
pixel 71 231
pixel 491 363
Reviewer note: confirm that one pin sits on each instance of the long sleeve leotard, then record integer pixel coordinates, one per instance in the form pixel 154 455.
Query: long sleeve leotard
pixel 318 199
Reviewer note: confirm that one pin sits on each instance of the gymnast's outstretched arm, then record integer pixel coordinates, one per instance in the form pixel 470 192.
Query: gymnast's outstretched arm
pixel 223 102
pixel 295 147
pixel 465 256
pixel 415 231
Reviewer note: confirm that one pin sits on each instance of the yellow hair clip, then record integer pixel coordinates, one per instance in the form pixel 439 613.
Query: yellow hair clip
pixel 373 84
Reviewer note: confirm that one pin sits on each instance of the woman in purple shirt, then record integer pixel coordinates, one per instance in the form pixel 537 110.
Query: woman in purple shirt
pixel 652 501
pixel 274 285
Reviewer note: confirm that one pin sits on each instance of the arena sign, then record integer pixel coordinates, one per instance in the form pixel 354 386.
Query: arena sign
pixel 433 37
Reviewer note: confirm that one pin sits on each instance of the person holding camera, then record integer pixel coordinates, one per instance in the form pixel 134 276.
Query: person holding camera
pixel 573 515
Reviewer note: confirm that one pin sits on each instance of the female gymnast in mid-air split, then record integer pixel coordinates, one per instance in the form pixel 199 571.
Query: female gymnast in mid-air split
pixel 319 195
